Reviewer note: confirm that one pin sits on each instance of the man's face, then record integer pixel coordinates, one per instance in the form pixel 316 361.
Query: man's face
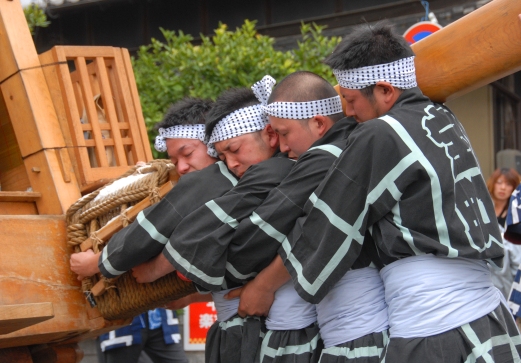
pixel 360 107
pixel 295 136
pixel 241 152
pixel 188 155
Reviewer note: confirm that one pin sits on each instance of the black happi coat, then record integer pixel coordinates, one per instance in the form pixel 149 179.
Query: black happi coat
pixel 410 178
pixel 147 236
pixel 196 249
pixel 257 239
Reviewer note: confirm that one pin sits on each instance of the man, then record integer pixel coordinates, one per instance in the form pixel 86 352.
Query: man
pixel 237 126
pixel 299 107
pixel 156 332
pixel 409 177
pixel 181 134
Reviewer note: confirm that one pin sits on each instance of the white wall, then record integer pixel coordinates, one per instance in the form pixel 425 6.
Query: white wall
pixel 474 110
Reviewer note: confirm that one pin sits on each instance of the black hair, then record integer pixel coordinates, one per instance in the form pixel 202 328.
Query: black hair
pixel 304 86
pixel 369 45
pixel 229 101
pixel 188 111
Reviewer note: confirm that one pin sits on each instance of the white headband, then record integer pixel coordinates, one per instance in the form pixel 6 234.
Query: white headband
pixel 243 121
pixel 294 110
pixel 400 73
pixel 195 132
pixel 304 110
pixel 248 119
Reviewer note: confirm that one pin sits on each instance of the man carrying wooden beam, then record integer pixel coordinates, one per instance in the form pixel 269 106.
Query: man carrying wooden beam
pixel 410 178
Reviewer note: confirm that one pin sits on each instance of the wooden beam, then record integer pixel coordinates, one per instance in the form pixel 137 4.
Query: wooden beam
pixel 44 277
pixel 16 317
pixel 19 196
pixel 105 232
pixel 474 51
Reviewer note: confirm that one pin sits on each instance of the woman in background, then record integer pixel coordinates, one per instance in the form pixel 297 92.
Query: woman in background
pixel 500 185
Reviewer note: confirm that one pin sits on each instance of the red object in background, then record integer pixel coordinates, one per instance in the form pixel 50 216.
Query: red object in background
pixel 198 319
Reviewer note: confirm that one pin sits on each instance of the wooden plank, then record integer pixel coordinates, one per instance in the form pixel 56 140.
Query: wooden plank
pixel 28 101
pixel 38 135
pixel 74 51
pixel 16 44
pixel 479 48
pixel 16 317
pixel 45 176
pixel 137 103
pixel 110 111
pixel 128 107
pixel 19 196
pixel 92 115
pixel 65 102
pixel 53 82
pixel 98 288
pixel 18 208
pixel 116 224
pixel 34 268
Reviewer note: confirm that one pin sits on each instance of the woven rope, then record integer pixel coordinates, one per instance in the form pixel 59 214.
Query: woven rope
pixel 124 297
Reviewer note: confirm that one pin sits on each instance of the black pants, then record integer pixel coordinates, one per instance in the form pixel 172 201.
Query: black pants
pixel 153 344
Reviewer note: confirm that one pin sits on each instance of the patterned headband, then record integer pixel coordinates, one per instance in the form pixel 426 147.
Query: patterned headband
pixel 195 132
pixel 304 110
pixel 294 110
pixel 400 73
pixel 248 119
pixel 240 122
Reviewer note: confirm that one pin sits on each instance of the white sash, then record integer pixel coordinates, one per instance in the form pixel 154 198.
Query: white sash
pixel 225 308
pixel 429 295
pixel 289 311
pixel 353 308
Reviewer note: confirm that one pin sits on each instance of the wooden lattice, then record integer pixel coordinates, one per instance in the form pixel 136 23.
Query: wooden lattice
pixel 99 110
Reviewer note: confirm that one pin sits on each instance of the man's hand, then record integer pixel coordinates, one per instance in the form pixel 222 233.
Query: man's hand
pixel 152 270
pixel 258 294
pixel 256 299
pixel 85 264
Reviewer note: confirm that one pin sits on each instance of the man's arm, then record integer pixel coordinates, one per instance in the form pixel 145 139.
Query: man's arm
pixel 187 300
pixel 198 248
pixel 153 269
pixel 146 237
pixel 257 295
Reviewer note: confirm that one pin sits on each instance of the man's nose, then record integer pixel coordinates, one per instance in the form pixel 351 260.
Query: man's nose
pixel 182 168
pixel 284 148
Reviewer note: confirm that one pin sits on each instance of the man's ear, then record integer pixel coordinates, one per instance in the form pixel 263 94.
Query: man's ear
pixel 320 124
pixel 386 93
pixel 273 137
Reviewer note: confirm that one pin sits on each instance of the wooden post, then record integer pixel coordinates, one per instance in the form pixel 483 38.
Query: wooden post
pixel 30 109
pixel 473 51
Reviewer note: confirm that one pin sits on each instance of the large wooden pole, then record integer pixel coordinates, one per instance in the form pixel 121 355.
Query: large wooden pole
pixel 471 52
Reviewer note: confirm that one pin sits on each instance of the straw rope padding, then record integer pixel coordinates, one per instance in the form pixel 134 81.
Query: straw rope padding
pixel 124 297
